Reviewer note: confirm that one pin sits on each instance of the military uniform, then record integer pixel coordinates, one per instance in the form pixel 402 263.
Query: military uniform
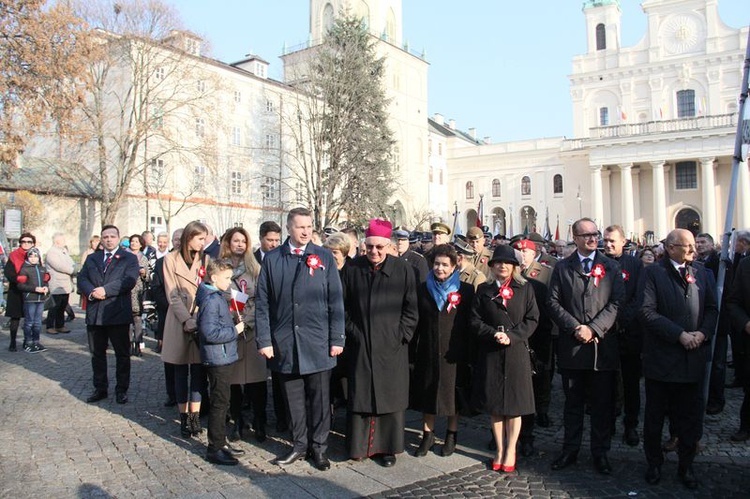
pixel 481 261
pixel 418 262
pixel 472 275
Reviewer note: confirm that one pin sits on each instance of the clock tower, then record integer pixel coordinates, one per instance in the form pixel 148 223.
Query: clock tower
pixel 382 17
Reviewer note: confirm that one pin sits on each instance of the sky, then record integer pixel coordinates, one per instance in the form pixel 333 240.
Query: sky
pixel 500 66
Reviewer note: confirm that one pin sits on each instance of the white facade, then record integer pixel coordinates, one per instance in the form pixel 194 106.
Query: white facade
pixel 654 131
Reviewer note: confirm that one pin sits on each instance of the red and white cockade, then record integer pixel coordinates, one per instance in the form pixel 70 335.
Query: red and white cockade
pixel 506 293
pixel 314 263
pixel 625 275
pixel 597 273
pixel 454 299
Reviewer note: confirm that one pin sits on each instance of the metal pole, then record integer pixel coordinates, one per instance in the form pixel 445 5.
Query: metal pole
pixel 736 160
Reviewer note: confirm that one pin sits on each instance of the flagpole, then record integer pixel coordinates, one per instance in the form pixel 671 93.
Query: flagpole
pixel 736 160
pixel 455 217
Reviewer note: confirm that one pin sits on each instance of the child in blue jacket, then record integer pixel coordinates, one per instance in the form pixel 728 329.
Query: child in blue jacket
pixel 217 335
pixel 32 282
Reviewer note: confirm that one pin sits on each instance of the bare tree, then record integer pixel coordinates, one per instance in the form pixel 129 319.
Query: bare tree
pixel 339 150
pixel 421 219
pixel 149 99
pixel 42 47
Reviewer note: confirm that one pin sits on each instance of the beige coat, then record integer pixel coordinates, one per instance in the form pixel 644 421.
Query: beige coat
pixel 251 368
pixel 180 286
pixel 61 269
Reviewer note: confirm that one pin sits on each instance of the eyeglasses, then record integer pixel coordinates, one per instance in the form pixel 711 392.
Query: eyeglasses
pixel 26 241
pixel 683 245
pixel 378 247
pixel 590 235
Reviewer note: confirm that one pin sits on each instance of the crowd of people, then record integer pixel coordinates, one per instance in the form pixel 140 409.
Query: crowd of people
pixel 445 324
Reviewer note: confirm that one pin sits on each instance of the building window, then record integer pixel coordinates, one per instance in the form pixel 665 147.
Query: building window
pixel 299 190
pixel 603 116
pixel 686 175
pixel 441 176
pixel 157 171
pixel 236 136
pixel 440 149
pixel 236 183
pixel 557 184
pixel 496 188
pixel 686 103
pixel 156 221
pixel 201 86
pixel 432 174
pixel 237 96
pixel 470 190
pixel 270 106
pixel 159 73
pixel 526 186
pixel 270 141
pixel 268 189
pixel 200 127
pixel 429 148
pixel 158 116
pixel 238 224
pixel 601 37
pixel 199 177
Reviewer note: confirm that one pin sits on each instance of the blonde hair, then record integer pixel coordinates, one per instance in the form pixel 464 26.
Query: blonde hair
pixel 251 264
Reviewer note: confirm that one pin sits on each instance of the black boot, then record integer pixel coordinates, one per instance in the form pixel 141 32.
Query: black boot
pixel 194 422
pixel 185 425
pixel 450 443
pixel 13 334
pixel 428 440
pixel 237 431
pixel 259 425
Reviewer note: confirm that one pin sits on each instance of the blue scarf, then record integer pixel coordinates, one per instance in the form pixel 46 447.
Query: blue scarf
pixel 440 290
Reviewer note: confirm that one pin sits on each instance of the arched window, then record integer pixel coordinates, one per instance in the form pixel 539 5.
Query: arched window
pixel 557 184
pixel 496 188
pixel 601 37
pixel 327 18
pixel 526 186
pixel 469 190
pixel 685 103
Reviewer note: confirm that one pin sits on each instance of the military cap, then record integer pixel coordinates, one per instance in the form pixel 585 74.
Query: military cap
pixel 440 228
pixel 474 233
pixel 463 247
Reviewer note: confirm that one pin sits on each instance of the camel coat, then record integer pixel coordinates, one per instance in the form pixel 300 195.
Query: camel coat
pixel 181 285
pixel 251 367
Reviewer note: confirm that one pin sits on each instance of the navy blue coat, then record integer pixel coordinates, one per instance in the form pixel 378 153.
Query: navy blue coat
pixel 671 306
pixel 299 314
pixel 117 281
pixel 218 336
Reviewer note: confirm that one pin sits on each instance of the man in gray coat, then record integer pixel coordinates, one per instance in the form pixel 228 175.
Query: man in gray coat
pixel 61 268
pixel 584 296
pixel 299 320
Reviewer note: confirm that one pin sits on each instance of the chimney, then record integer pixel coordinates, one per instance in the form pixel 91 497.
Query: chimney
pixel 452 124
pixel 473 133
pixel 487 140
pixel 438 118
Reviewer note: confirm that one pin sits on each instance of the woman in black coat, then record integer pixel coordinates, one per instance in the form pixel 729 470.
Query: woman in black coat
pixel 442 347
pixel 504 315
pixel 14 303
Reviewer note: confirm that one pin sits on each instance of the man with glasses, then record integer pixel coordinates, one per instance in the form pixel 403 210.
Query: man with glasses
pixel 584 297
pixel 380 298
pixel 679 315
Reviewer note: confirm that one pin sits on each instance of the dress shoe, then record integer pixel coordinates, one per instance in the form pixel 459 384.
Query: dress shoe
pixel 428 440
pixel 96 397
pixel 601 463
pixel 121 398
pixel 740 436
pixel 221 457
pixel 542 420
pixel 714 408
pixel 564 460
pixel 62 330
pixel 51 330
pixel 260 432
pixel 320 461
pixel 687 477
pixel 170 403
pixel 527 448
pixel 653 474
pixel 669 445
pixel 232 451
pixel 388 460
pixel 290 458
pixel 630 437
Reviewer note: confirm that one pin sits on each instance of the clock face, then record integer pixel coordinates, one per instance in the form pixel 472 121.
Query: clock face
pixel 682 33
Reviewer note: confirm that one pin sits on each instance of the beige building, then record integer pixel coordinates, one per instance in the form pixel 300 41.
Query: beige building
pixel 654 131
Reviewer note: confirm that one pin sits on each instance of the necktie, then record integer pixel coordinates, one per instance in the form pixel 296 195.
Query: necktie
pixel 586 265
pixel 107 261
pixel 683 273
pixel 297 251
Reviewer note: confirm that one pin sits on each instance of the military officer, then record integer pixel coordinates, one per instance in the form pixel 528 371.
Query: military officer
pixel 440 235
pixel 401 239
pixel 467 272
pixel 482 255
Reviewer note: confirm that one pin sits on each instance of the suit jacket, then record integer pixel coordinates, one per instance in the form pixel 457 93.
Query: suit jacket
pixel 738 299
pixel 671 306
pixel 418 262
pixel 117 281
pixel 299 311
pixel 212 250
pixel 258 256
pixel 574 300
pixel 628 327
pixel 539 276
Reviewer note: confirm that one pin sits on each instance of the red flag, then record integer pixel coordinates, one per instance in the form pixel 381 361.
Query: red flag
pixel 480 215
pixel 557 230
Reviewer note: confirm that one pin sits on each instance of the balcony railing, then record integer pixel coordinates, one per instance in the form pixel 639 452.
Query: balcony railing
pixel 664 126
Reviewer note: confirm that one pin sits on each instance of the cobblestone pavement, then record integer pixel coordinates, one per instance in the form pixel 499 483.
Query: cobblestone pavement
pixel 54 445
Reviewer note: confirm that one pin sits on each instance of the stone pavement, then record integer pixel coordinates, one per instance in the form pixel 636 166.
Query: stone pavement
pixel 53 444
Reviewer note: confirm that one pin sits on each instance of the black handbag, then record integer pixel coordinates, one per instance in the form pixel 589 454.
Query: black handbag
pixel 532 358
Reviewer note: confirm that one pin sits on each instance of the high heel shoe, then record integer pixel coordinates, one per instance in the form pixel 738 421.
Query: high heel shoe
pixel 428 440
pixel 496 466
pixel 508 469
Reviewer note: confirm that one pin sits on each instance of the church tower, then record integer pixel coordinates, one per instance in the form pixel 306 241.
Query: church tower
pixel 405 83
pixel 603 21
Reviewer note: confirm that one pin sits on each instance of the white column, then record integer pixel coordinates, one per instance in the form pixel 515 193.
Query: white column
pixel 743 200
pixel 628 209
pixel 597 195
pixel 660 200
pixel 708 189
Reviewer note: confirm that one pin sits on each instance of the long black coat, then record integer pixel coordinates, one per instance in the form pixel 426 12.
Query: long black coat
pixel 14 298
pixel 574 300
pixel 442 352
pixel 670 306
pixel 502 379
pixel 118 281
pixel 629 330
pixel 738 306
pixel 381 316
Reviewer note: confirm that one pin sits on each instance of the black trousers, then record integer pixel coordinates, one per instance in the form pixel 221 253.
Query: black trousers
pixel 219 378
pixel 169 381
pixel 303 393
pixel 56 315
pixel 577 385
pixel 683 403
pixel 256 394
pixel 279 402
pixel 740 354
pixel 119 336
pixel 630 374
pixel 542 383
pixel 718 369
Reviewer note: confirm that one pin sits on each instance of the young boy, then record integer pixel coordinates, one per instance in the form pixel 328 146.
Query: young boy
pixel 32 282
pixel 218 346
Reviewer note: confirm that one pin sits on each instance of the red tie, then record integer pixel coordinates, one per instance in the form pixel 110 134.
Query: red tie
pixel 107 261
pixel 297 251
